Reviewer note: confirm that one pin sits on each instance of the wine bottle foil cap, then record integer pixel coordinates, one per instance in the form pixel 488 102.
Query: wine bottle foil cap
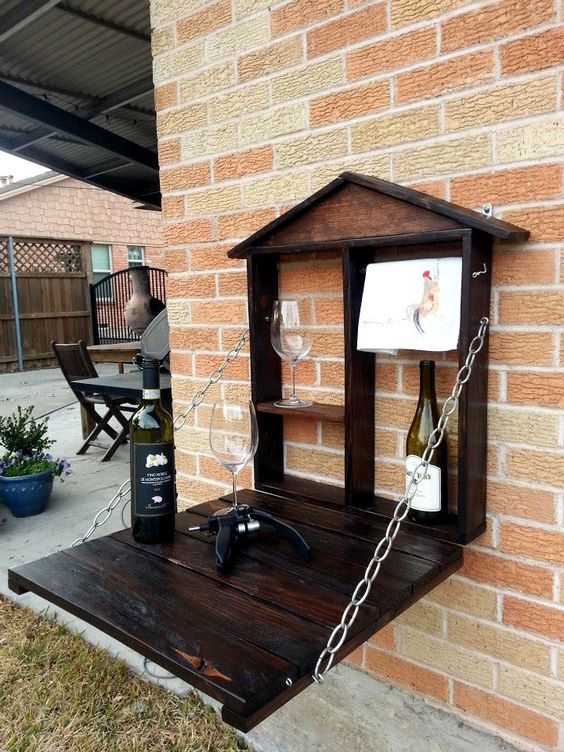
pixel 151 375
pixel 426 363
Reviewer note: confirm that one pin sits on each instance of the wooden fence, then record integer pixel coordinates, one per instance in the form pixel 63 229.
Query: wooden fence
pixel 52 298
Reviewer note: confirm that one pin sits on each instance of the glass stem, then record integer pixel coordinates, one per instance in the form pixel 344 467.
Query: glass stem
pixel 234 478
pixel 293 397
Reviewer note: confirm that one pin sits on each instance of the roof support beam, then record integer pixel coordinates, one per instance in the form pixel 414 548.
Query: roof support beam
pixel 61 121
pixel 113 101
pixel 104 22
pixel 110 183
pixel 22 15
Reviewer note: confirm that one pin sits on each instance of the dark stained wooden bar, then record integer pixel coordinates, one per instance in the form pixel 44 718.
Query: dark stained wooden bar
pixel 250 638
pixel 317 411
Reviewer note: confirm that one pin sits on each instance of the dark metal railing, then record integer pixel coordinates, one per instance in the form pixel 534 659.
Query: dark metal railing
pixel 108 299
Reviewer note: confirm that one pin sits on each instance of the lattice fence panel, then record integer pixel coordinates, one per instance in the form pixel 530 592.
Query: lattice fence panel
pixel 47 256
pixel 3 255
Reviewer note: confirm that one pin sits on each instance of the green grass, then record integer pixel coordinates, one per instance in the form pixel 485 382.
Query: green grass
pixel 60 694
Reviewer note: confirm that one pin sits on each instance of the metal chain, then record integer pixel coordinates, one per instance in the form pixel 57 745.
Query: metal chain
pixel 125 488
pixel 383 548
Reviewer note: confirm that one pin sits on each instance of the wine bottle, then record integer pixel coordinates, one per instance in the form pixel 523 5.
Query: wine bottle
pixel 430 502
pixel 153 497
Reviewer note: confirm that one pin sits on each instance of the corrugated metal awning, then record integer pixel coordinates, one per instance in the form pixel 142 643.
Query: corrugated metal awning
pixel 76 91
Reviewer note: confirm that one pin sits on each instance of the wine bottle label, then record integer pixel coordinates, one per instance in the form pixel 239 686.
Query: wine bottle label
pixel 151 394
pixel 427 497
pixel 153 477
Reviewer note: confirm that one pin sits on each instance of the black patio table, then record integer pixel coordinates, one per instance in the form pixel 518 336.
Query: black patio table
pixel 127 385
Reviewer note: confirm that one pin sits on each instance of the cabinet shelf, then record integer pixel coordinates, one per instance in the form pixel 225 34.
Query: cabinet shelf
pixel 317 411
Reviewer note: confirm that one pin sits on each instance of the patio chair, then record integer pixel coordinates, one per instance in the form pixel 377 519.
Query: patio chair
pixel 75 363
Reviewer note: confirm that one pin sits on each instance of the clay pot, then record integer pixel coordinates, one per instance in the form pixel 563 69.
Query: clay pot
pixel 142 307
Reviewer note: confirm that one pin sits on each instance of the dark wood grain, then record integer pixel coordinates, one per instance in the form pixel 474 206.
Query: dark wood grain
pixel 292 486
pixel 317 411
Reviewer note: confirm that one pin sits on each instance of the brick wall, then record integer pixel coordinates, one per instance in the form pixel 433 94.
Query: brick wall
pixel 69 209
pixel 260 103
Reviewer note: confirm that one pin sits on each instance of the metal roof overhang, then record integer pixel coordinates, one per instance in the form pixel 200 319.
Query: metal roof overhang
pixel 76 91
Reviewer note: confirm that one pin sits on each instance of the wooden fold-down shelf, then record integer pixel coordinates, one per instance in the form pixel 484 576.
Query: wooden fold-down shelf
pixel 317 411
pixel 249 638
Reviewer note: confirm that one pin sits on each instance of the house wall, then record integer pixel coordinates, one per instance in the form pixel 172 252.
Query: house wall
pixel 260 103
pixel 69 209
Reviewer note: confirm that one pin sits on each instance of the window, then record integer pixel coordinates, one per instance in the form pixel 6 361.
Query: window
pixel 101 261
pixel 135 255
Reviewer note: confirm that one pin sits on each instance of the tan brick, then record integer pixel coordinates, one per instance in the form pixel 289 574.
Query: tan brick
pixel 163 11
pixel 505 714
pixel 179 61
pixel 534 542
pixel 445 375
pixel 328 342
pixel 528 267
pixel 518 501
pixel 169 151
pixel 465 596
pixel 534 388
pixel 243 163
pixel 389 476
pixel 310 277
pixel 425 616
pixel 234 283
pixel 187 176
pixel 193 491
pixel 275 188
pixel 432 187
pixel 385 637
pixel 347 30
pixel 206 82
pixel 332 373
pixel 269 59
pixel 175 261
pixel 506 424
pixel 408 11
pixel 383 56
pixel 446 657
pixel 314 77
pixel 247 7
pixel 534 617
pixel 162 40
pixel 298 14
pixel 350 103
pixel 540 467
pixel 278 122
pixel 503 103
pixel 499 643
pixel 165 95
pixel 493 22
pixel 377 165
pixel 241 224
pixel 211 469
pixel 185 462
pixel 328 310
pixel 504 572
pixel 406 674
pixel 397 128
pixel 181 363
pixel 444 156
pixel 193 286
pixel 531 348
pixel 178 311
pixel 538 307
pixel 533 52
pixel 449 75
pixel 315 147
pixel 300 430
pixel 210 140
pixel 219 312
pixel 194 338
pixel 241 37
pixel 530 689
pixel 212 257
pixel 544 138
pixel 213 200
pixel 333 435
pixel 314 462
pixel 195 231
pixel 173 122
pixel 544 223
pixel 243 100
pixel 202 23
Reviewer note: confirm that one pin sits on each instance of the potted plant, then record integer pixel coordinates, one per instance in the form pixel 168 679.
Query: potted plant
pixel 26 468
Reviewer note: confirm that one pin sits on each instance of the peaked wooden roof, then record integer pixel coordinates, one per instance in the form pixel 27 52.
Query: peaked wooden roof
pixel 357 206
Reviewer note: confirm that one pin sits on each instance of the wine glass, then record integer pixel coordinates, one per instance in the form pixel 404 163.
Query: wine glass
pixel 292 342
pixel 233 437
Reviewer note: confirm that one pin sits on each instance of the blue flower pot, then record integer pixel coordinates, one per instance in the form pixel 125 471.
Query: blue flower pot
pixel 27 494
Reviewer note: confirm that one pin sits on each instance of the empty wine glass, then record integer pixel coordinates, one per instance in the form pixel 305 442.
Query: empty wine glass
pixel 233 437
pixel 292 342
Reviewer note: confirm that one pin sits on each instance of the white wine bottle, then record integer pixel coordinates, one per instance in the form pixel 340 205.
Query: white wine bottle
pixel 153 497
pixel 430 502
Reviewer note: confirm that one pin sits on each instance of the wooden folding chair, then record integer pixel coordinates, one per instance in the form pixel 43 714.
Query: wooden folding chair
pixel 75 363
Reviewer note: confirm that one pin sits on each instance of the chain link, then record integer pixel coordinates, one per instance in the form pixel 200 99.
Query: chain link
pixel 125 488
pixel 384 546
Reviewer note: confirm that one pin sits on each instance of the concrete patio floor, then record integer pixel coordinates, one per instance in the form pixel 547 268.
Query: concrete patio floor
pixel 352 712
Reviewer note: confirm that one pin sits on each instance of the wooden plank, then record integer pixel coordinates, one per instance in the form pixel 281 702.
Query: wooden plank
pixel 47 315
pixel 302 488
pixel 317 411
